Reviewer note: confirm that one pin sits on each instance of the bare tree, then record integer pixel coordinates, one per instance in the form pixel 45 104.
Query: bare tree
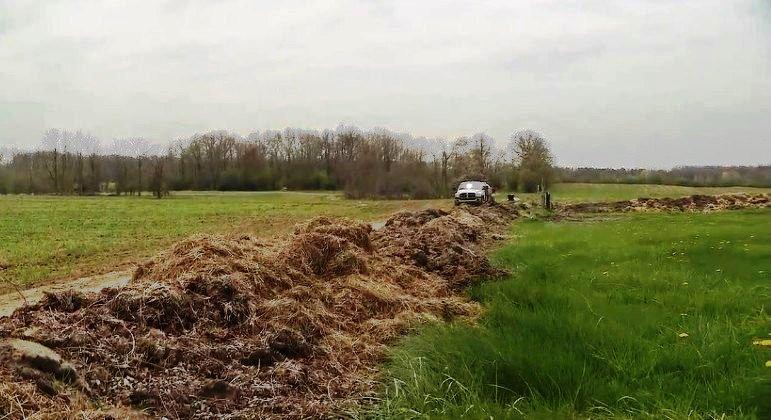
pixel 289 144
pixel 327 141
pixel 5 157
pixel 388 147
pixel 348 140
pixel 447 153
pixel 461 158
pixel 130 155
pixel 482 146
pixel 533 159
pixel 84 144
pixel 158 164
pixel 377 162
pixel 216 149
pixel 51 144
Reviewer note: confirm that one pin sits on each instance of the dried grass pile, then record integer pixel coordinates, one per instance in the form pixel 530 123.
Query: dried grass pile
pixel 240 328
pixel 443 243
pixel 693 203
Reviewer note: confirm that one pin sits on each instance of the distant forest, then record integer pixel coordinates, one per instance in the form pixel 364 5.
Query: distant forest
pixel 693 176
pixel 371 163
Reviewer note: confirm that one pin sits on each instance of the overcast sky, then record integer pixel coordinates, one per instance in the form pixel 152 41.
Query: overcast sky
pixel 622 83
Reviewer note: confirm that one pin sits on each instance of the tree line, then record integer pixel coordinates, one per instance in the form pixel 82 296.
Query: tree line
pixel 693 176
pixel 363 163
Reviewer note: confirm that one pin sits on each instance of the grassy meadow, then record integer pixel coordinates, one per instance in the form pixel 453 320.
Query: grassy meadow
pixel 44 238
pixel 628 316
pixel 614 316
pixel 48 238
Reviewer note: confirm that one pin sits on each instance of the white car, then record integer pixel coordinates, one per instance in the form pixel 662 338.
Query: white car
pixel 473 192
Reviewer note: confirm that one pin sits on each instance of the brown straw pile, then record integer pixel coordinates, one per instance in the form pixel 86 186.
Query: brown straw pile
pixel 693 203
pixel 241 328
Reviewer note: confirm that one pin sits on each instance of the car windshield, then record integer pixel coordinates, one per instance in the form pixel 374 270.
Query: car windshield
pixel 472 185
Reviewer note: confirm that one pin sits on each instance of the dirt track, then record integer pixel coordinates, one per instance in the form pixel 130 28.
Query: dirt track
pixel 9 302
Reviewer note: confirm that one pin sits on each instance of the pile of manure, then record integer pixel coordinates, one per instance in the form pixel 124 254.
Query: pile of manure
pixel 242 328
pixel 693 203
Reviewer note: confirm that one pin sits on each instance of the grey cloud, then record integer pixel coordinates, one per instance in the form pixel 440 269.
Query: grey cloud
pixel 638 82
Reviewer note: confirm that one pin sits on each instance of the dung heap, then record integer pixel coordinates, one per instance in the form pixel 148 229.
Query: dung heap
pixel 693 203
pixel 242 328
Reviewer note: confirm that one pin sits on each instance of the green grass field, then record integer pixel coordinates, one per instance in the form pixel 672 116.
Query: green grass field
pixel 46 238
pixel 631 316
pixel 578 192
pixel 49 238
pixel 588 325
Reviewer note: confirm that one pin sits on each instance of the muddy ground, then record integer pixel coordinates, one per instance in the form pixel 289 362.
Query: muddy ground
pixel 239 327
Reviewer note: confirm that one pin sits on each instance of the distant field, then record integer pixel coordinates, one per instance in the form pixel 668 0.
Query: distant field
pixel 628 316
pixel 46 238
pixel 617 192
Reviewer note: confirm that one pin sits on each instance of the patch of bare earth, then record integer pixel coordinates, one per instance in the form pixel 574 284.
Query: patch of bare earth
pixel 9 302
pixel 244 328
